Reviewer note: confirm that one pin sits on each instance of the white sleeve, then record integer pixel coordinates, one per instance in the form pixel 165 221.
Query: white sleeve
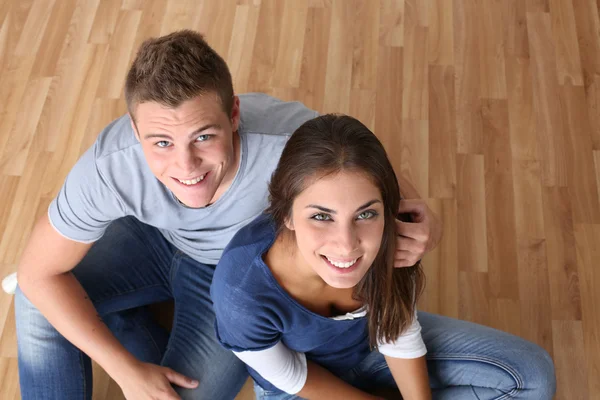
pixel 283 368
pixel 408 345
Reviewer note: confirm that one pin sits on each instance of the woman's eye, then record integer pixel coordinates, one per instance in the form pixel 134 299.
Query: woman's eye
pixel 321 217
pixel 163 143
pixel 367 214
pixel 202 138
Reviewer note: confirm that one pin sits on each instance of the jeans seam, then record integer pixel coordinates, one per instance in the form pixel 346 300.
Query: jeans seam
pixel 82 366
pixel 174 267
pixel 148 334
pixel 516 377
pixel 97 302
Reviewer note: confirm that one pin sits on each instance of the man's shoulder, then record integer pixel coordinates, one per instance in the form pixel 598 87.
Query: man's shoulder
pixel 264 114
pixel 116 160
pixel 116 137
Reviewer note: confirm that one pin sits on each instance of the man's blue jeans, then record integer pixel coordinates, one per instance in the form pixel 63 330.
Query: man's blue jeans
pixel 132 265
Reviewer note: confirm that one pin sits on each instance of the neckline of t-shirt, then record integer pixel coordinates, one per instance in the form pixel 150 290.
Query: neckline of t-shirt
pixel 236 180
pixel 282 290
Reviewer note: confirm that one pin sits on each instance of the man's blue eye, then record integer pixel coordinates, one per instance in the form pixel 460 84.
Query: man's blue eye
pixel 202 138
pixel 163 143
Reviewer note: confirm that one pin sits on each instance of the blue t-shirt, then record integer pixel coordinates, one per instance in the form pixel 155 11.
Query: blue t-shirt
pixel 253 312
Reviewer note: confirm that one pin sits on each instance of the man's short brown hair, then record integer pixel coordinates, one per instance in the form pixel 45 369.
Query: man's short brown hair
pixel 175 68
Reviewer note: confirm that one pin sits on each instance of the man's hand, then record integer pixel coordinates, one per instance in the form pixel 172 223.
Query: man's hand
pixel 148 381
pixel 418 237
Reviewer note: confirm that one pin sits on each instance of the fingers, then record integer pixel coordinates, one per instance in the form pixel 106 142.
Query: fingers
pixel 180 380
pixel 410 245
pixel 403 263
pixel 404 259
pixel 416 207
pixel 408 252
pixel 412 230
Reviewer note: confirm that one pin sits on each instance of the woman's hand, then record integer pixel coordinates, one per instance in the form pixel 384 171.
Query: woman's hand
pixel 146 381
pixel 418 237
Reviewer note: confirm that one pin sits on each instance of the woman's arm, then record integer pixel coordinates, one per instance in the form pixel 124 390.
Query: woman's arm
pixel 290 372
pixel 411 377
pixel 322 384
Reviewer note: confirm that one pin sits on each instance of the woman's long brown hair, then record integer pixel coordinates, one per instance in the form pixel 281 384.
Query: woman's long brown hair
pixel 329 144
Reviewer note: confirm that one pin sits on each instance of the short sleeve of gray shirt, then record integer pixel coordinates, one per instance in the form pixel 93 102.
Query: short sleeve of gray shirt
pixel 113 180
pixel 86 203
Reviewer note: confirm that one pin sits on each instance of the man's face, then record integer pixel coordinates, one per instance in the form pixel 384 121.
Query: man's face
pixel 192 149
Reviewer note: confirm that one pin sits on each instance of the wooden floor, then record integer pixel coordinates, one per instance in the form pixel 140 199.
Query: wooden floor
pixel 491 107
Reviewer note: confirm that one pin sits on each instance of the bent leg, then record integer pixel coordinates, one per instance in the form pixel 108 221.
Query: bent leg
pixel 193 348
pixel 127 268
pixel 470 361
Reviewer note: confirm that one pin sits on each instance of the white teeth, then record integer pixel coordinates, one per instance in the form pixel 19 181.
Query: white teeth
pixel 341 264
pixel 192 181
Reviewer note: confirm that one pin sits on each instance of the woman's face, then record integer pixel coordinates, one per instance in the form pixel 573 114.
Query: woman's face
pixel 338 223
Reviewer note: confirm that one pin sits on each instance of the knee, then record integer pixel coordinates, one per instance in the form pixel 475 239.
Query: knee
pixel 26 314
pixel 34 331
pixel 540 381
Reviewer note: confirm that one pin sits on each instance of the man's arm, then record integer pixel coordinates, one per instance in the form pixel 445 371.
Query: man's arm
pixel 44 277
pixel 407 190
pixel 420 236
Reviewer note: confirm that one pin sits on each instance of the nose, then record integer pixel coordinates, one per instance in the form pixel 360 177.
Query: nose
pixel 187 160
pixel 347 239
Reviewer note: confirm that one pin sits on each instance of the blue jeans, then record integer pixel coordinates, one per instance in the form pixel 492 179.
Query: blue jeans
pixel 466 361
pixel 131 266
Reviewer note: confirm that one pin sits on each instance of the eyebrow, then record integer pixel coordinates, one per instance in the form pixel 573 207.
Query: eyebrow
pixel 328 210
pixel 165 136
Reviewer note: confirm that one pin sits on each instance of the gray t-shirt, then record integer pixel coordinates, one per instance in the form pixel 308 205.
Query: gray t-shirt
pixel 113 180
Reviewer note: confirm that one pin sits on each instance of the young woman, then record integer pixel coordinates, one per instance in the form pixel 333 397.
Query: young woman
pixel 307 295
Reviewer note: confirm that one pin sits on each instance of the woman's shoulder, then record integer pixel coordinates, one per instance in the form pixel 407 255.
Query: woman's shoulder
pixel 241 265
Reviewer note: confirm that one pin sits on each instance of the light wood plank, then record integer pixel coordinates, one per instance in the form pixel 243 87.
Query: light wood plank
pixel 291 45
pixel 442 132
pixel 466 51
pixel 440 33
pixel 316 45
pixel 568 60
pixel 562 259
pixel 588 254
pixel 338 78
pixel 549 120
pixel 472 225
pixel 570 355
pixel 499 201
pixel 582 182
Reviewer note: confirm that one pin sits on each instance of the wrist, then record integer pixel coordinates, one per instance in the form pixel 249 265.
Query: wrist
pixel 120 367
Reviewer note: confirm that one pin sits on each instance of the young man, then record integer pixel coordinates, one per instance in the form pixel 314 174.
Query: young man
pixel 143 217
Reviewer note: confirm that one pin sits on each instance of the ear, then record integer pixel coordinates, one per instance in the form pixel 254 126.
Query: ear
pixel 134 127
pixel 289 223
pixel 235 114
